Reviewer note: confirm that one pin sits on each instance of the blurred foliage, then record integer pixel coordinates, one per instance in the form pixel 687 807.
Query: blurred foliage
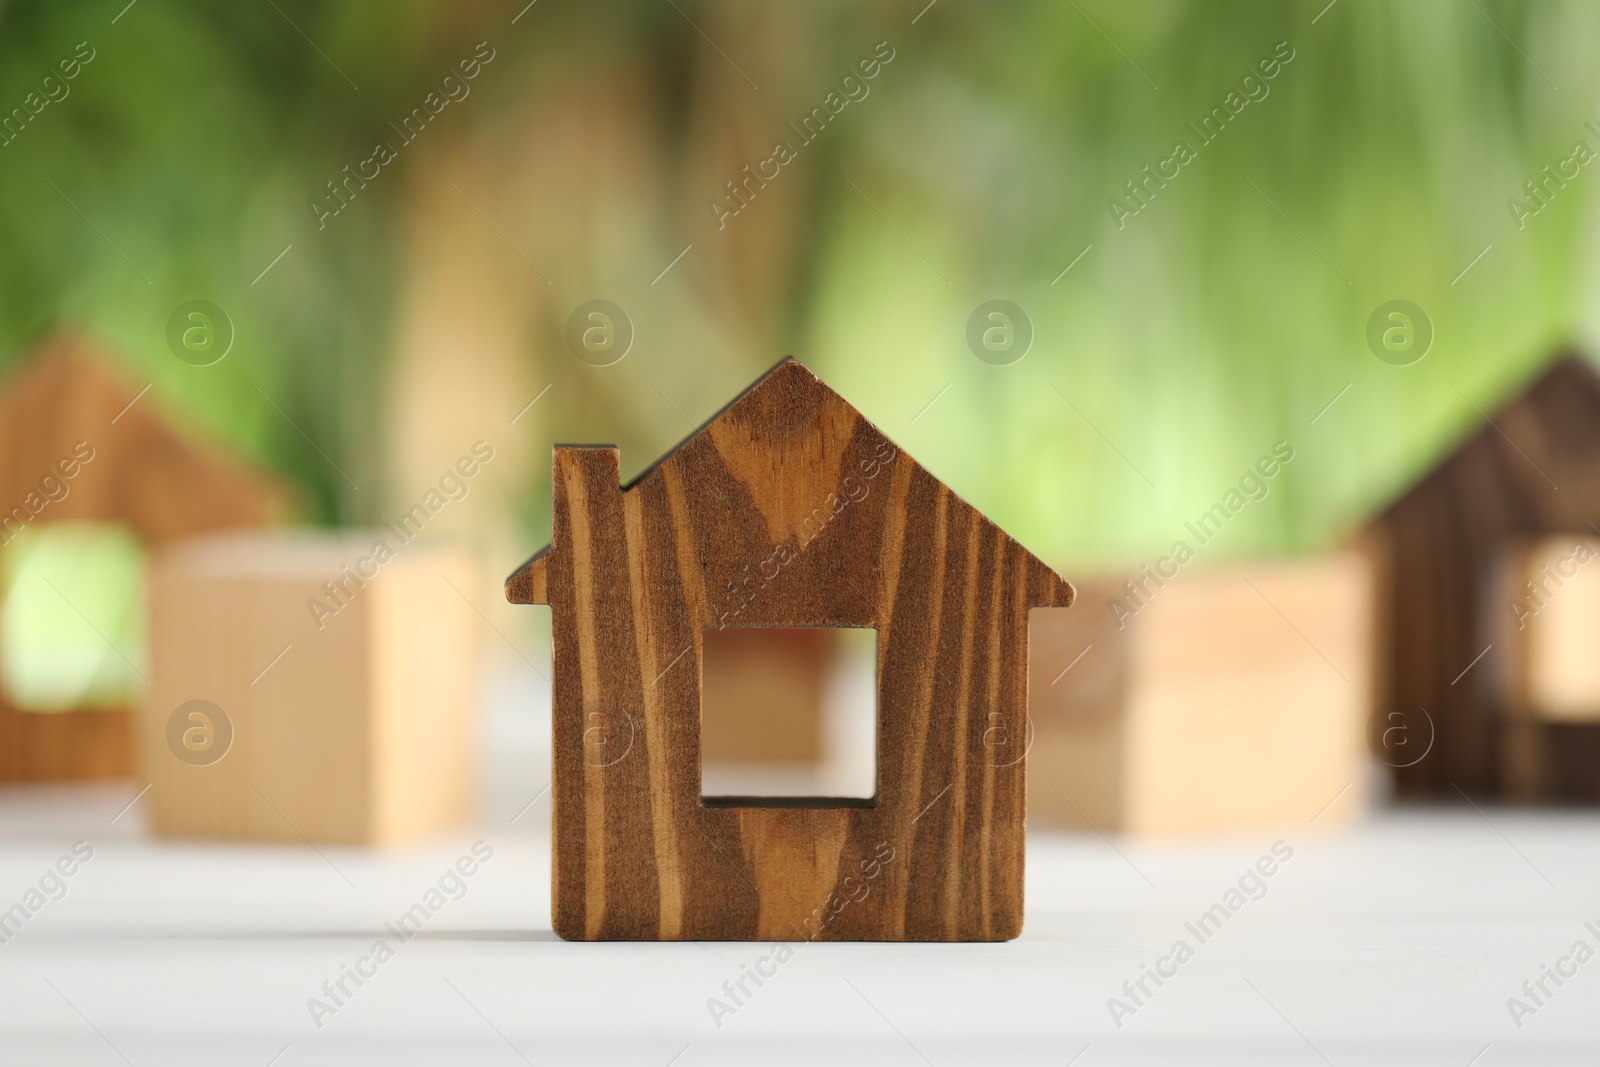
pixel 1218 320
pixel 1206 327
pixel 178 164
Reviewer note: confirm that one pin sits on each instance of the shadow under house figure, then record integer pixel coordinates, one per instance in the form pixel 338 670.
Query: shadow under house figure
pixel 87 460
pixel 787 509
pixel 1530 470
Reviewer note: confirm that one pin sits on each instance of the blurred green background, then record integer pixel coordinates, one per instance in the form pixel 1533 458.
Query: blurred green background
pixel 1185 340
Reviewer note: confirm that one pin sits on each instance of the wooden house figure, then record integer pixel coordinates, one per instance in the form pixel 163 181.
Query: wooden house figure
pixel 79 445
pixel 786 509
pixel 1530 471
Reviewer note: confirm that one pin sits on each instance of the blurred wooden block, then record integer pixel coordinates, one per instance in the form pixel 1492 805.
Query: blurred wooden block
pixel 79 443
pixel 761 697
pixel 1232 699
pixel 348 684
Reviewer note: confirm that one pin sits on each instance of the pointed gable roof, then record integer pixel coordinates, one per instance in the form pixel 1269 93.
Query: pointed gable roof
pixel 1545 436
pixel 783 441
pixel 69 396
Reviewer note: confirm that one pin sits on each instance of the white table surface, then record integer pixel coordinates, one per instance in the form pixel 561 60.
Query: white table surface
pixel 1396 941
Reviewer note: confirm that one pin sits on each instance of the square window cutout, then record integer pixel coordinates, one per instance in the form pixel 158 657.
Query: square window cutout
pixel 72 618
pixel 789 717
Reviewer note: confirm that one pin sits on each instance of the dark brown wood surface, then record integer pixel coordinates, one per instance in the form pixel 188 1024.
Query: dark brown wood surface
pixel 1534 471
pixel 787 509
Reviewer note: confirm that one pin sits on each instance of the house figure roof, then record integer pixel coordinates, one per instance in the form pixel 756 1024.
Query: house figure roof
pixel 144 471
pixel 786 509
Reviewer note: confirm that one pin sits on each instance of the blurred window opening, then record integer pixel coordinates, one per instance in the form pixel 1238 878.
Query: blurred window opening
pixel 72 624
pixel 789 713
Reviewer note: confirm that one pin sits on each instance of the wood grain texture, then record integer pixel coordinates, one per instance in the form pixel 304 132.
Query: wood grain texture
pixel 1533 473
pixel 64 403
pixel 787 509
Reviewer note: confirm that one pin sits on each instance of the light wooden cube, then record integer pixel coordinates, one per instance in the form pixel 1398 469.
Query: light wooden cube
pixel 1228 699
pixel 346 709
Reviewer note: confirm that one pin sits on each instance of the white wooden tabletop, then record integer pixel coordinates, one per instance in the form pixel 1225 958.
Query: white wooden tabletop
pixel 1398 941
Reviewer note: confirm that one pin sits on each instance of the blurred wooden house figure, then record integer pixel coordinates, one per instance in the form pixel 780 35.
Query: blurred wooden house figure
pixel 91 477
pixel 1447 617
